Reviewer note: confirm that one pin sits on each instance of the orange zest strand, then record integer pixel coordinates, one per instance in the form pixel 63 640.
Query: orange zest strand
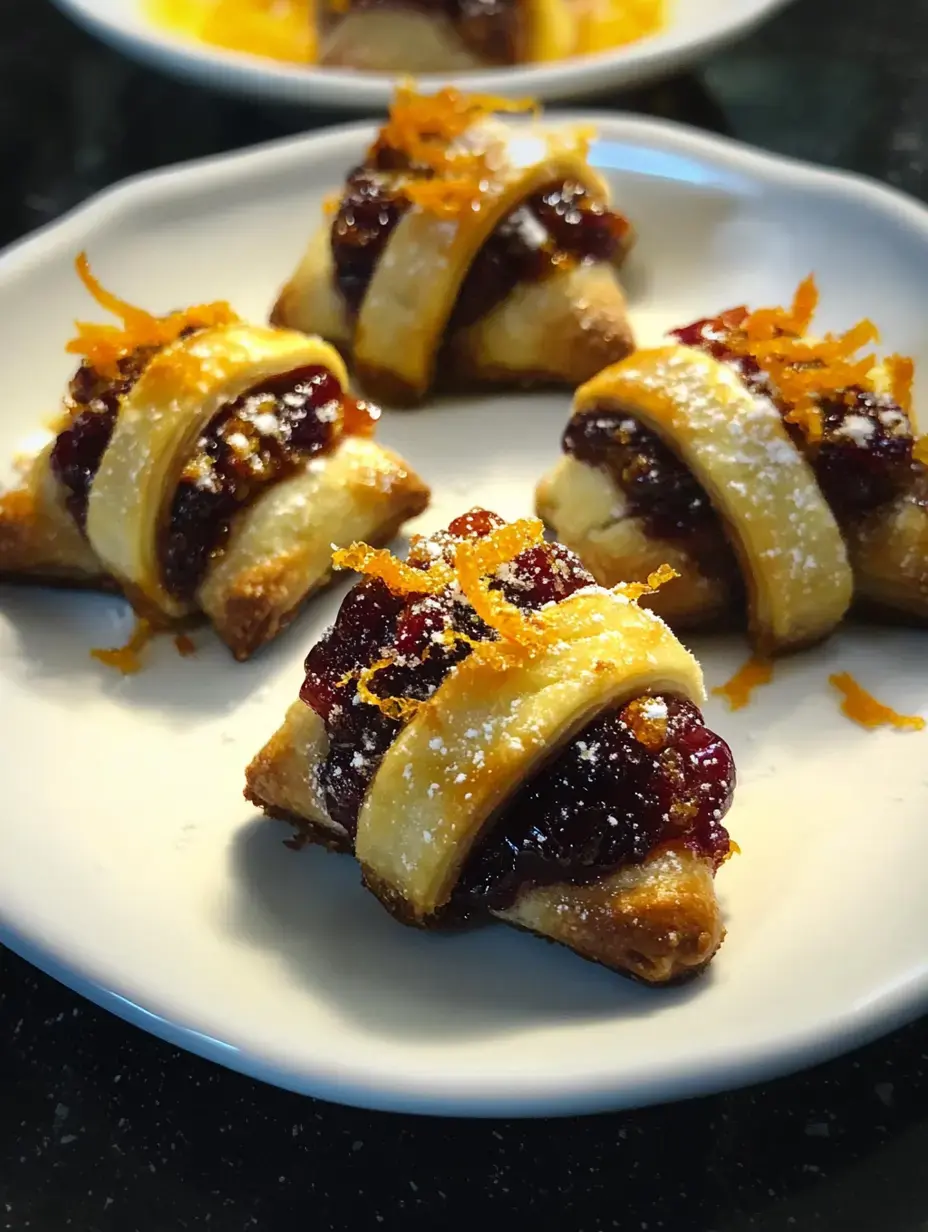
pixel 733 850
pixel 402 579
pixel 750 676
pixel 422 126
pixel 650 730
pixel 424 129
pixel 901 373
pixel 804 371
pixel 103 346
pixel 477 558
pixel 635 590
pixel 126 659
pixel 399 708
pixel 864 708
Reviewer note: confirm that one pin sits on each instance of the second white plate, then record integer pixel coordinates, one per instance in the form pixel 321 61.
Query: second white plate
pixel 130 865
pixel 696 28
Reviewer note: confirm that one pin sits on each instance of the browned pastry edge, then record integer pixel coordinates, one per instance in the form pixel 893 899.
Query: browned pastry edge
pixel 251 619
pixel 313 833
pixel 396 906
pixel 685 976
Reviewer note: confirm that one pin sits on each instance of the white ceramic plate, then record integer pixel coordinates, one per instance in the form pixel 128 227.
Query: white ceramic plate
pixel 131 867
pixel 697 27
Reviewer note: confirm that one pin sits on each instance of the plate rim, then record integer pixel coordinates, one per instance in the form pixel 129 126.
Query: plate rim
pixel 783 1053
pixel 236 72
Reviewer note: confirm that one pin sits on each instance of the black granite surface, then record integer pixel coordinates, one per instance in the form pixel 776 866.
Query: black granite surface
pixel 103 1128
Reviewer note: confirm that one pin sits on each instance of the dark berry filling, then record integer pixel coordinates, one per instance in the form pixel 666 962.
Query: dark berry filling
pixel 367 214
pixel 93 403
pixel 647 774
pixel 250 444
pixel 556 225
pixel 491 29
pixel 659 488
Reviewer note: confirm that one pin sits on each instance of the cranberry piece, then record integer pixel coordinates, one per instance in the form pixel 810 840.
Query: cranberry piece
pixel 607 800
pixel 865 455
pixel 418 626
pixel 367 214
pixel 544 574
pixel 77 454
pixel 659 487
pixel 364 626
pixel 475 524
pixel 579 225
pixel 251 443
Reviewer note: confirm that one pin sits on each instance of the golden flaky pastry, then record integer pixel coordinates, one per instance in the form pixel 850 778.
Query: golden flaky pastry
pixel 757 462
pixel 467 247
pixel 493 734
pixel 204 466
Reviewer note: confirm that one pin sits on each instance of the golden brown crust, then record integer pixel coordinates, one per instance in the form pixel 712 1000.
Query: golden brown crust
pixel 39 541
pixel 281 778
pixel 658 921
pixel 401 39
pixel 395 40
pixel 556 331
pixel 280 553
pixel 889 554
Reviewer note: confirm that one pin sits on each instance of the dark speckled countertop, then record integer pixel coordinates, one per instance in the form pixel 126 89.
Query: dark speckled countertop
pixel 103 1129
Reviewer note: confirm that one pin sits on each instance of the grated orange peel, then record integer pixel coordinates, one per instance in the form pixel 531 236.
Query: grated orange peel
pixel 806 370
pixel 127 659
pixel 103 346
pixel 401 578
pixel 400 708
pixel 863 708
pixel 424 127
pixel 476 559
pixel 633 591
pixel 476 562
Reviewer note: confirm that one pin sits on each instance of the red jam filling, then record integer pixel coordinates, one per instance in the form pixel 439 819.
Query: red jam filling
pixel 647 774
pixel 491 29
pixel 557 225
pixel 253 442
pixel 92 403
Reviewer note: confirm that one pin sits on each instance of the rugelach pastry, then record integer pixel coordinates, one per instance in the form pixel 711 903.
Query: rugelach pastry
pixel 466 248
pixel 492 734
pixel 203 466
pixel 770 469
